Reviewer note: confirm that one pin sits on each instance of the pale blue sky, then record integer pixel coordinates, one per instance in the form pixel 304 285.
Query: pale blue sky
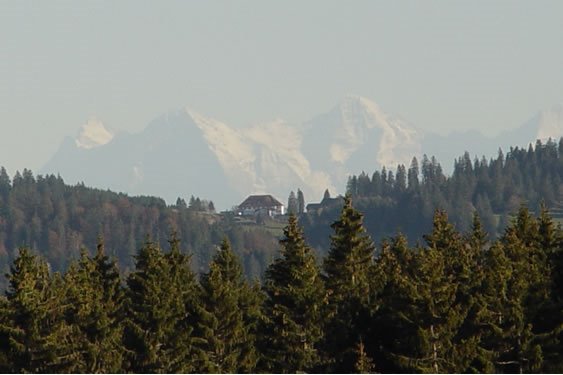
pixel 442 65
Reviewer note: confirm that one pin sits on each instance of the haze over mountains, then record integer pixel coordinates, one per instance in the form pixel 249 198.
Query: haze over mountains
pixel 183 153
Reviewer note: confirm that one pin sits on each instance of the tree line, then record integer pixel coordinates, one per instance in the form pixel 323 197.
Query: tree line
pixel 57 220
pixel 460 302
pixel 493 188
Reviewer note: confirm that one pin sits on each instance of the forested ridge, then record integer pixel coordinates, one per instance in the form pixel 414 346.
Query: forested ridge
pixel 58 220
pixel 457 303
pixel 405 200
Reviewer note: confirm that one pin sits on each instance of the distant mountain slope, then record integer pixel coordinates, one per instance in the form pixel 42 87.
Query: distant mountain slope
pixel 170 158
pixel 358 134
pixel 184 153
pixel 543 125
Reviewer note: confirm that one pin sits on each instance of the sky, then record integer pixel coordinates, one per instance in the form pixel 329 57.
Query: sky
pixel 441 65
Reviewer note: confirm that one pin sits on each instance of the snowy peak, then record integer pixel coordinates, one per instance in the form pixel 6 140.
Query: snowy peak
pixel 358 131
pixel 550 123
pixel 360 110
pixel 93 134
pixel 184 153
pixel 263 158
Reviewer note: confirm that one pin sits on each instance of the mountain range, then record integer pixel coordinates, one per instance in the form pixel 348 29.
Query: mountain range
pixel 184 153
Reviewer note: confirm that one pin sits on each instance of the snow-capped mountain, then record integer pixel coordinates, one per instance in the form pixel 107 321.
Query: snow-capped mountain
pixel 184 153
pixel 358 135
pixel 170 158
pixel 93 134
pixel 549 123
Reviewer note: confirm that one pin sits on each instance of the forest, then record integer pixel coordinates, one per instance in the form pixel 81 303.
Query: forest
pixel 59 220
pixel 411 271
pixel 459 302
pixel 407 199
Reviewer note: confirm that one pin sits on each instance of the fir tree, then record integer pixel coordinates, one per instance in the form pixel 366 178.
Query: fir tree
pixel 393 329
pixel 300 202
pixel 347 278
pixel 549 320
pixel 292 204
pixel 95 298
pixel 434 305
pixel 294 307
pixel 228 342
pixel 516 292
pixel 5 325
pixel 38 338
pixel 162 298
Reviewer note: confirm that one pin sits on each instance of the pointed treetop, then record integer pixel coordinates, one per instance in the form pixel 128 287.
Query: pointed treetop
pixel 174 242
pixel 100 247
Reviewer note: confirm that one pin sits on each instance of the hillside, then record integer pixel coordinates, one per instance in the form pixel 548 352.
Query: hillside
pixel 58 220
pixel 406 199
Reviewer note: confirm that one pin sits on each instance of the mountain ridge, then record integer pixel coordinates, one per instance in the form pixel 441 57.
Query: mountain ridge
pixel 183 152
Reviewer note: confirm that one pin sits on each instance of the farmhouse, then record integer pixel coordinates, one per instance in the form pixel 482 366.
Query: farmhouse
pixel 327 202
pixel 256 205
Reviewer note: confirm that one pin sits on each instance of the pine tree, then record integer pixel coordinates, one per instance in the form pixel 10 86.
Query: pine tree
pixel 292 204
pixel 4 336
pixel 429 304
pixel 412 176
pixel 347 279
pixel 549 320
pixel 162 300
pixel 294 307
pixel 228 342
pixel 95 299
pixel 474 291
pixel 38 338
pixel 516 289
pixel 393 329
pixel 300 202
pixel 513 343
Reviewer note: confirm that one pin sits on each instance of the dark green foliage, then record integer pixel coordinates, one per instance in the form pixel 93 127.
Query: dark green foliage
pixel 347 278
pixel 458 304
pixel 467 300
pixel 95 299
pixel 162 298
pixel 294 307
pixel 392 329
pixel 300 202
pixel 495 188
pixel 227 315
pixel 58 220
pixel 38 339
pixel 292 204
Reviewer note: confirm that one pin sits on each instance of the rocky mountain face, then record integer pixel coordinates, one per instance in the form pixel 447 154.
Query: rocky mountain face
pixel 184 153
pixel 357 135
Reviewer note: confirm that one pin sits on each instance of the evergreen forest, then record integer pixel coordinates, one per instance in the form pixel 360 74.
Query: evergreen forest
pixel 411 271
pixel 58 220
pixel 457 303
pixel 407 199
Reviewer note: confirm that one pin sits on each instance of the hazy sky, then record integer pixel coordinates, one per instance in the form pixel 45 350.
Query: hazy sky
pixel 442 65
